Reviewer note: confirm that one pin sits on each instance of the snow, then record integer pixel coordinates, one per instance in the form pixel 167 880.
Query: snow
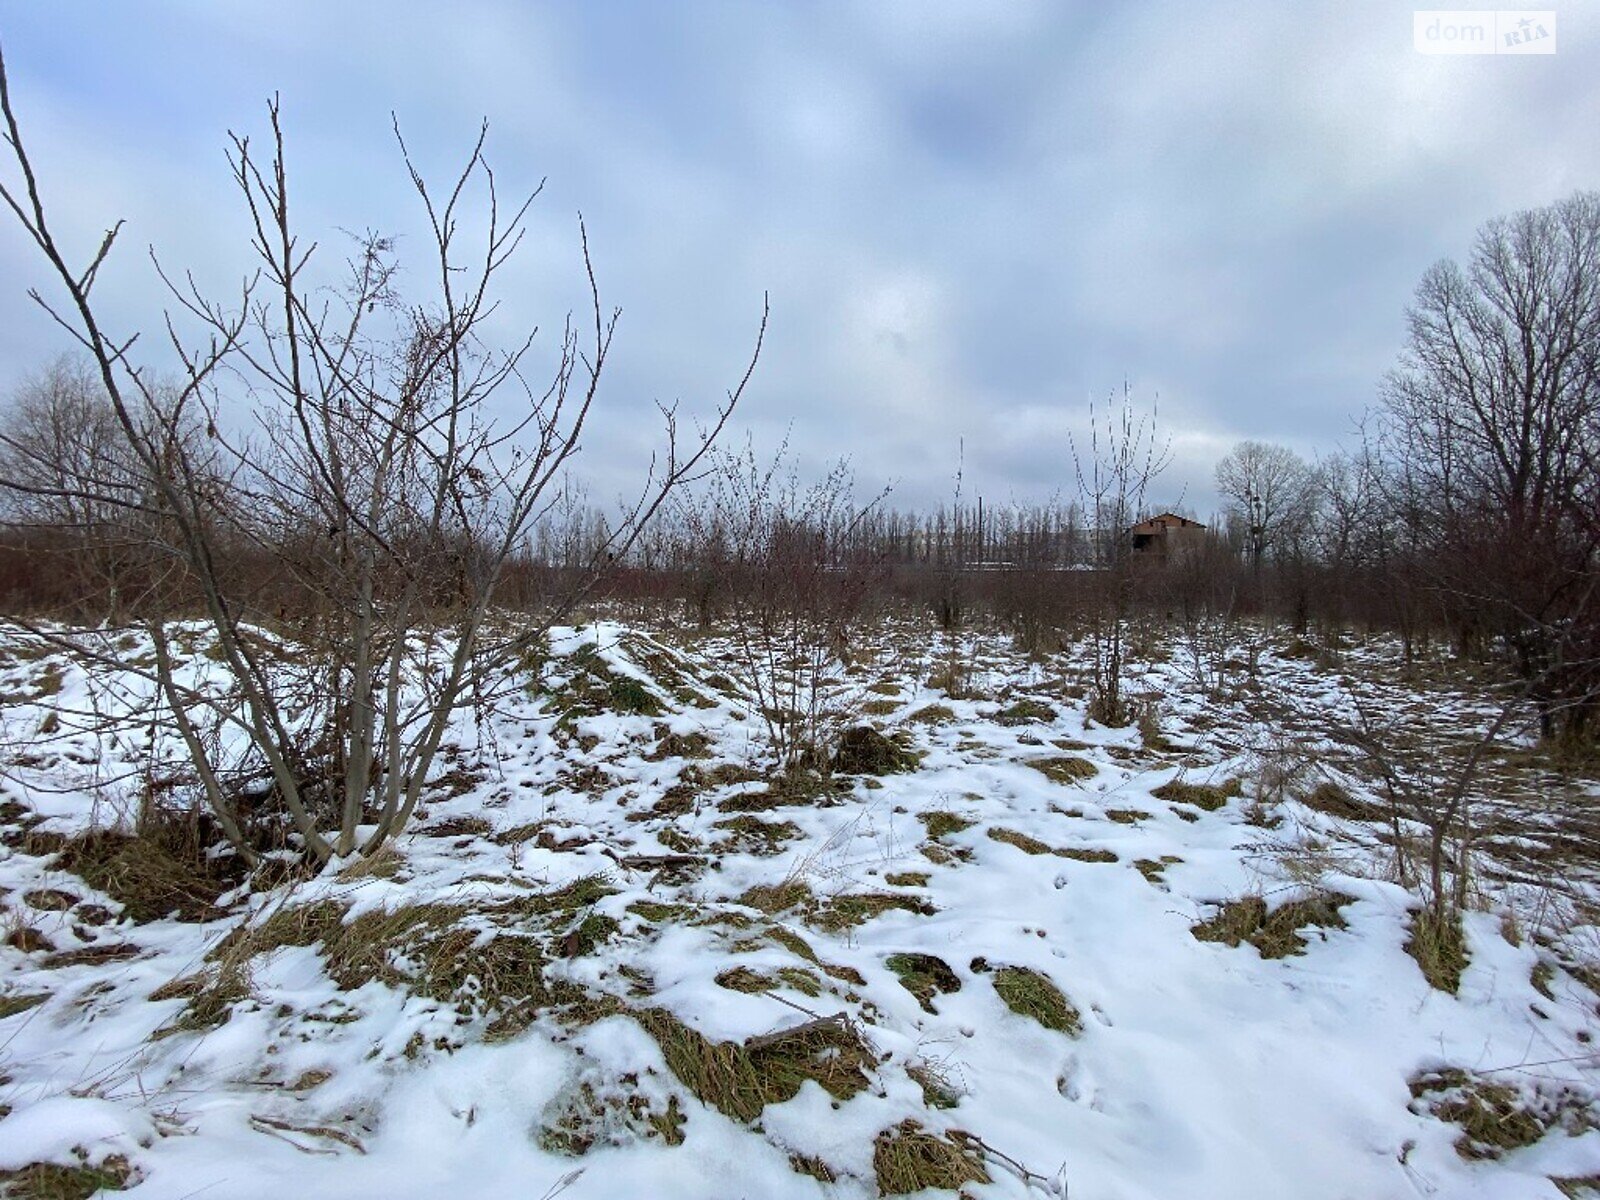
pixel 1202 1070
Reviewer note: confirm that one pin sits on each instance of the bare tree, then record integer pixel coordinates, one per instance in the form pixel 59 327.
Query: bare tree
pixel 375 481
pixel 1492 426
pixel 796 584
pixel 1115 470
pixel 61 453
pixel 1272 492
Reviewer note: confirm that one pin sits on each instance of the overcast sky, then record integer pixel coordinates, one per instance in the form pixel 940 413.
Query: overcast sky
pixel 971 217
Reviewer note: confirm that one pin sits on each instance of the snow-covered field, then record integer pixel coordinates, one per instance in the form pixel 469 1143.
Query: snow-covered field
pixel 575 975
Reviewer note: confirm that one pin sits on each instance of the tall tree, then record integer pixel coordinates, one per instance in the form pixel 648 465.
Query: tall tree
pixel 1492 419
pixel 1271 491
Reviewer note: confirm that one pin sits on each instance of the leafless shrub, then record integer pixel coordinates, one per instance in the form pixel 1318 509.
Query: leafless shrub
pixel 375 481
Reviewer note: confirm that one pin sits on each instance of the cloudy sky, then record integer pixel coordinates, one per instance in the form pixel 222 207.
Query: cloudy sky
pixel 972 218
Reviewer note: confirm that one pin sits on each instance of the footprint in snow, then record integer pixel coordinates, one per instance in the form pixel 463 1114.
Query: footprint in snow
pixel 1076 1082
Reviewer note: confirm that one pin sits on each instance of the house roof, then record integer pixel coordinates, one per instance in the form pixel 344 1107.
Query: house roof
pixel 1163 521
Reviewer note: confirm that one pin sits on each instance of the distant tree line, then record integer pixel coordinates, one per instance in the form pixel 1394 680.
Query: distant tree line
pixel 1467 514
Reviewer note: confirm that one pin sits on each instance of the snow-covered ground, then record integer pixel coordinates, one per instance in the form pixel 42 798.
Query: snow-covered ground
pixel 548 986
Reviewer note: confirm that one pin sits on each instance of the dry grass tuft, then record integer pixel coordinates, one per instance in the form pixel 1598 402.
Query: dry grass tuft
pixel 1028 845
pixel 864 751
pixel 924 976
pixel 778 897
pixel 1154 870
pixel 20 1002
pixel 1210 797
pixel 1497 1117
pixel 51 1181
pixel 1087 855
pixel 1027 711
pixel 1439 946
pixel 583 1116
pixel 810 1164
pixel 934 1080
pixel 1274 934
pixel 909 1159
pixel 1577 1187
pixel 151 876
pixel 740 1081
pixel 942 822
pixel 845 911
pixel 751 835
pixel 907 878
pixel 1065 768
pixel 1334 800
pixel 1032 994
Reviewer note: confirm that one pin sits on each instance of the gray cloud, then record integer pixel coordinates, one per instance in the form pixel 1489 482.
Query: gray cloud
pixel 971 217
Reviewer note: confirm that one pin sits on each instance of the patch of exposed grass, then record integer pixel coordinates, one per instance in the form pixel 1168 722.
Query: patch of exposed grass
pixel 588 935
pixel 581 1117
pixel 924 976
pixel 1334 800
pixel 29 940
pixel 740 1081
pixel 933 714
pixel 1275 934
pixel 660 914
pixel 1083 854
pixel 942 822
pixel 1154 870
pixel 1236 921
pixel 810 1164
pixel 89 956
pixel 743 979
pixel 937 1091
pixel 907 878
pixel 751 835
pixel 1576 1187
pixel 856 908
pixel 211 995
pixel 880 708
pixel 1150 735
pixel 13 1003
pixel 446 952
pixel 49 899
pixel 1027 711
pixel 1541 976
pixel 148 877
pixel 801 980
pixel 1032 994
pixel 517 834
pixel 793 943
pixel 51 1181
pixel 632 697
pixel 680 745
pixel 1065 768
pixel 1126 816
pixel 778 897
pixel 679 841
pixel 863 750
pixel 1496 1117
pixel 907 1159
pixel 1028 845
pixel 1208 796
pixel 1439 946
pixel 457 827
